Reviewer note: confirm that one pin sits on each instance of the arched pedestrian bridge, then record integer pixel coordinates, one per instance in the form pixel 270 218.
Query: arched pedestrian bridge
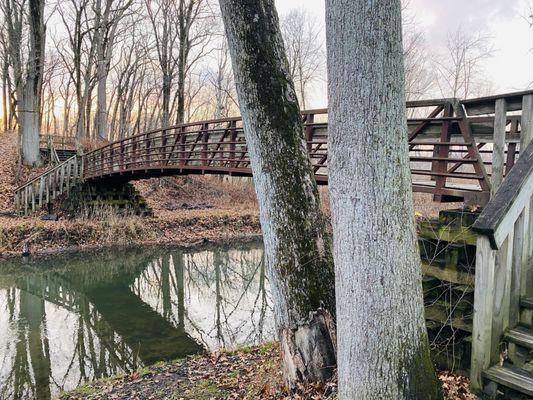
pixel 450 147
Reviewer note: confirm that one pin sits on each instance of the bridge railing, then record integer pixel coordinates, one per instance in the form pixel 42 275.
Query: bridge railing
pixel 457 150
pixel 57 141
pixel 46 187
pixel 216 146
pixel 445 159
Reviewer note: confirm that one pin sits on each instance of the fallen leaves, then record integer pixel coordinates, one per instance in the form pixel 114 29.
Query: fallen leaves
pixel 455 387
pixel 249 373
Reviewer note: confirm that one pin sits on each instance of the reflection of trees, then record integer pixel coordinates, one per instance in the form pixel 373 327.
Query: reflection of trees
pixel 120 315
pixel 221 295
pixel 31 351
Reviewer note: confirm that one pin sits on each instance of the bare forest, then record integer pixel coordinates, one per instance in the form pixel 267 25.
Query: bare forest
pixel 108 69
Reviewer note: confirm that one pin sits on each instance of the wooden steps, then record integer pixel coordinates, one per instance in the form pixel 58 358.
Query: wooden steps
pixel 521 336
pixel 515 378
pixel 527 303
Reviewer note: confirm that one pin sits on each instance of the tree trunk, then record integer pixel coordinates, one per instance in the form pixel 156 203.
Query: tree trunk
pixel 31 94
pixel 5 95
pixel 165 111
pixel 101 72
pixel 297 248
pixel 383 350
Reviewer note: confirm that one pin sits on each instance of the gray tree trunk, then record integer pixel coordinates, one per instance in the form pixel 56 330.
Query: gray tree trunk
pixel 31 94
pixel 101 72
pixel 383 350
pixel 297 248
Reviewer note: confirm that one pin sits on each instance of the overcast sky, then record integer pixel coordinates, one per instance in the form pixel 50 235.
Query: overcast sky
pixel 511 66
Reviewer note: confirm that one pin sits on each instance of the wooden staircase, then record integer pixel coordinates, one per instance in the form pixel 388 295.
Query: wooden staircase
pixel 516 372
pixel 48 186
pixel 502 338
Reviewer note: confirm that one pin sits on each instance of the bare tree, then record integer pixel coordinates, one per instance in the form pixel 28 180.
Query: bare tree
pixel 297 248
pixel 176 34
pixel 13 12
pixel 107 23
pixel 79 58
pixel 223 84
pixel 383 349
pixel 419 79
pixel 29 113
pixel 459 69
pixel 302 35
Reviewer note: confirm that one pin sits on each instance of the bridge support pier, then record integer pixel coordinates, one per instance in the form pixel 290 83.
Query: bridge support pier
pixel 97 199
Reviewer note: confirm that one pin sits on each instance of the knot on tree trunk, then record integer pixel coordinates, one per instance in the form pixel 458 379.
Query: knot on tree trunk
pixel 309 350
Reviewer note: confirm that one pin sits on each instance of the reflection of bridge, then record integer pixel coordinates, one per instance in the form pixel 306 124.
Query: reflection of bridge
pixel 449 144
pixel 147 335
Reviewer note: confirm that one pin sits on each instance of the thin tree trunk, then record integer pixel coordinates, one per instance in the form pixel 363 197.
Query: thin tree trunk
pixel 383 350
pixel 5 95
pixel 297 248
pixel 165 111
pixel 101 71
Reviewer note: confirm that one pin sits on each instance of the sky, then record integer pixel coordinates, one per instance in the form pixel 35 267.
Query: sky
pixel 511 66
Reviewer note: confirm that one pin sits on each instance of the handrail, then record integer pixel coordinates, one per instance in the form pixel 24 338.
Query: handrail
pixel 316 111
pixel 503 265
pixel 496 218
pixel 47 172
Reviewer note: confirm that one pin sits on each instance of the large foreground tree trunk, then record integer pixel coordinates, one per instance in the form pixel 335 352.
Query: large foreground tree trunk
pixel 383 350
pixel 31 94
pixel 297 248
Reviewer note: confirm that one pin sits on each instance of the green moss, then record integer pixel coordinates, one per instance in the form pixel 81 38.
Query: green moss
pixel 83 391
pixel 202 390
pixel 421 381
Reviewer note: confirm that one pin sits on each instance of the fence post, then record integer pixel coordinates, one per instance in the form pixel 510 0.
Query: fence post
pixel 526 129
pixel 484 300
pixel 498 155
pixel 205 139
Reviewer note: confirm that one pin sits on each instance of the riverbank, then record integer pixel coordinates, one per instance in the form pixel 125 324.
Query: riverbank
pixel 246 373
pixel 183 228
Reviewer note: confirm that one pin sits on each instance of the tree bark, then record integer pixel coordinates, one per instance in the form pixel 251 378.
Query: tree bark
pixel 31 95
pixel 383 350
pixel 297 248
pixel 101 71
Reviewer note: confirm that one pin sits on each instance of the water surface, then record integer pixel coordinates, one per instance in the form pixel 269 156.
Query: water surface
pixel 70 319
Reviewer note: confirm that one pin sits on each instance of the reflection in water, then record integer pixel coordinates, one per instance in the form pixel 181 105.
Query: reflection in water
pixel 89 316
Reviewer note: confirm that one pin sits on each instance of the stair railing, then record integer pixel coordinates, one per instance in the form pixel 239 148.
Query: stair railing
pixel 49 185
pixel 504 264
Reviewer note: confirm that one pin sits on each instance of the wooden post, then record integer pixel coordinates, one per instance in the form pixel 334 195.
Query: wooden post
pixel 48 187
pixel 526 271
pixel 33 205
pixel 502 291
pixel 61 178
pixel 526 128
pixel 41 190
pixel 309 131
pixel 483 303
pixel 68 172
pixel 498 155
pixel 205 139
pixel 26 189
pixel 233 146
pixel 442 151
pixel 183 139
